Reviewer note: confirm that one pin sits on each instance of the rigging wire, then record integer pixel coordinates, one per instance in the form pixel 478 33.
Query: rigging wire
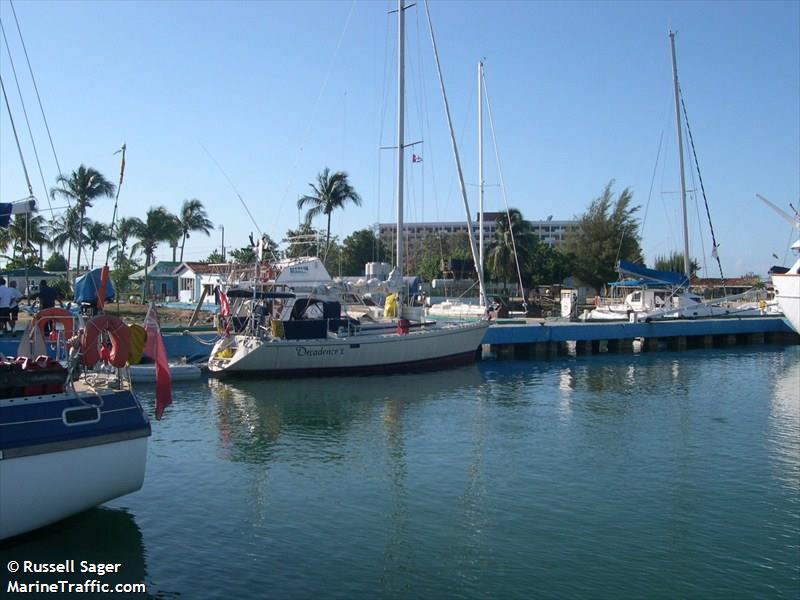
pixel 39 99
pixel 16 138
pixel 238 195
pixel 25 113
pixel 714 252
pixel 699 226
pixel 454 147
pixel 650 191
pixel 314 107
pixel 503 188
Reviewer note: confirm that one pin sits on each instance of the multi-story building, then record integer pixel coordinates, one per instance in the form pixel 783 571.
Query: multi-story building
pixel 549 231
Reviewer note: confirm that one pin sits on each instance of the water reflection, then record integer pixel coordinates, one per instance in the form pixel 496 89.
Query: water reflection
pixel 785 417
pixel 254 416
pixel 99 535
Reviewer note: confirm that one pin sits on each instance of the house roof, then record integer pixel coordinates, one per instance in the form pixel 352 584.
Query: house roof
pixel 30 272
pixel 162 269
pixel 198 268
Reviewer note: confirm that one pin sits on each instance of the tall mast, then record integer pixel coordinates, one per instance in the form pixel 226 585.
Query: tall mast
pixel 686 262
pixel 401 92
pixel 480 179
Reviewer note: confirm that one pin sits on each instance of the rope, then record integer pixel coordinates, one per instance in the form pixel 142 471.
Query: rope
pixel 25 113
pixel 714 252
pixel 197 338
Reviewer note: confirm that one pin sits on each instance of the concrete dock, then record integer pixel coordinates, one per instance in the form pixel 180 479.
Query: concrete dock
pixel 539 337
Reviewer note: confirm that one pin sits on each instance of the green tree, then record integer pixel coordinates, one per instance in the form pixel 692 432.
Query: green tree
pixel 97 234
pixel 24 234
pixel 84 185
pixel 173 234
pixel 607 232
pixel 63 231
pixel 359 248
pixel 193 218
pixel 123 269
pixel 330 192
pixel 243 256
pixel 125 232
pixel 674 262
pixel 55 262
pixel 303 241
pixel 512 232
pixel 157 227
pixel 214 258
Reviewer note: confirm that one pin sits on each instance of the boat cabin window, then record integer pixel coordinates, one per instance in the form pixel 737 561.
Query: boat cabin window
pixel 695 299
pixel 637 297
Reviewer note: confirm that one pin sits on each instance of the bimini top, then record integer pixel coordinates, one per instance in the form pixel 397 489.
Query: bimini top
pixel 86 287
pixel 641 275
pixel 258 294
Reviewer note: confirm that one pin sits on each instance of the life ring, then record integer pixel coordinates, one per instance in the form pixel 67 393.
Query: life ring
pixel 58 315
pixel 120 340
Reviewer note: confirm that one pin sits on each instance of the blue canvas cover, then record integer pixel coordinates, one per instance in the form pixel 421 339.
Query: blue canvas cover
pixel 5 213
pixel 86 287
pixel 650 276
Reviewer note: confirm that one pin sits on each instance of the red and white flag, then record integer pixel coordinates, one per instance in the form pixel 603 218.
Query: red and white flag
pixel 224 305
pixel 154 348
pixel 416 158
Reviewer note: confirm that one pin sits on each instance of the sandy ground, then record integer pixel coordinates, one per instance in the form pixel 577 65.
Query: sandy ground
pixel 134 313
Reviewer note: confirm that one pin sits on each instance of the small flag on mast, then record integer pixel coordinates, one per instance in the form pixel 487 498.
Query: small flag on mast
pixel 415 158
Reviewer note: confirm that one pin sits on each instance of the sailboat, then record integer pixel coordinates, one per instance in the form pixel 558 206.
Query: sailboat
pixel 300 335
pixel 665 294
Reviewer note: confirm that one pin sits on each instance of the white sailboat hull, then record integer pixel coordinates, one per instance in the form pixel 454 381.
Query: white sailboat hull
pixel 45 488
pixel 424 348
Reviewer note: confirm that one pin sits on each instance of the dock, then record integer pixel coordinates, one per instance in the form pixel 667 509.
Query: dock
pixel 542 338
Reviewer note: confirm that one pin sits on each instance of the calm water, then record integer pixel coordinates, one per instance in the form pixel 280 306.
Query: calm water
pixel 656 475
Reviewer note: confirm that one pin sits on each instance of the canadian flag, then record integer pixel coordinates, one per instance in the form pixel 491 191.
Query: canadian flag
pixel 416 158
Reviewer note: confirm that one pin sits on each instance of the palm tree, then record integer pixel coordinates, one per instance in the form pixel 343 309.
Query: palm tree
pixel 23 234
pixel 126 230
pixel 63 231
pixel 158 226
pixel 173 234
pixel 329 193
pixel 502 259
pixel 84 185
pixel 193 217
pixel 97 234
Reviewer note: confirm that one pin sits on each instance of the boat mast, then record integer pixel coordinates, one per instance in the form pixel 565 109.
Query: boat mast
pixel 472 246
pixel 686 262
pixel 480 180
pixel 401 92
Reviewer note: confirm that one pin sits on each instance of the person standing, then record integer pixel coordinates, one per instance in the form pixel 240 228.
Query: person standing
pixel 5 305
pixel 13 304
pixel 47 295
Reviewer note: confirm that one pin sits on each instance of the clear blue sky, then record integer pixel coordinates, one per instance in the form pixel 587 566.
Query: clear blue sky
pixel 581 93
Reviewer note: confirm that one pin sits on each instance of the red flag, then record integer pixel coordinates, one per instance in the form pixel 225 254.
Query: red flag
pixel 224 305
pixel 416 158
pixel 101 293
pixel 154 348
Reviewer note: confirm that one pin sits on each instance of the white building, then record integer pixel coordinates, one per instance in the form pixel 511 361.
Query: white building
pixel 194 277
pixel 550 232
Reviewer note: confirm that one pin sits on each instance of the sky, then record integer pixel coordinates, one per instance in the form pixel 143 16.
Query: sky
pixel 222 100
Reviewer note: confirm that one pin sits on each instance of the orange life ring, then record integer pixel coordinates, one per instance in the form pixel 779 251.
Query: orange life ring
pixel 59 315
pixel 120 340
